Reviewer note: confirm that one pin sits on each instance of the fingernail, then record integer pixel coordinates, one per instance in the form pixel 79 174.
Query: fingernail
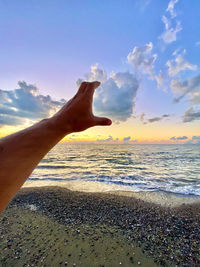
pixel 109 122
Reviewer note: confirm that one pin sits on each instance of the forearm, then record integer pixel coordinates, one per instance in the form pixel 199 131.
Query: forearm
pixel 21 152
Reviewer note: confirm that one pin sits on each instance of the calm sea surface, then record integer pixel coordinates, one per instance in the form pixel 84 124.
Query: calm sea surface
pixel 168 168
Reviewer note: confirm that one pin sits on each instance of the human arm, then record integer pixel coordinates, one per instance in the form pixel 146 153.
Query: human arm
pixel 21 152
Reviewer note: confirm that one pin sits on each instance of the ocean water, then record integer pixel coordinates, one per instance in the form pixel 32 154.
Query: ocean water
pixel 137 168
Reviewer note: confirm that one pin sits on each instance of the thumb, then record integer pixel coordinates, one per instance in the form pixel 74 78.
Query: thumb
pixel 102 121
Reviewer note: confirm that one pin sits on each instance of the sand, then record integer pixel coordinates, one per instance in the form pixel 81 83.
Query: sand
pixel 52 226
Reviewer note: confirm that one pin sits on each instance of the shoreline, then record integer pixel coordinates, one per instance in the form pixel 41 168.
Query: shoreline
pixel 165 199
pixel 168 235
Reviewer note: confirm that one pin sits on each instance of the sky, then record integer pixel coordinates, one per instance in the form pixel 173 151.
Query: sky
pixel 146 53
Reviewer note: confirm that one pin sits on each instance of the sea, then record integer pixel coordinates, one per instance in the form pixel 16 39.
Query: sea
pixel 126 167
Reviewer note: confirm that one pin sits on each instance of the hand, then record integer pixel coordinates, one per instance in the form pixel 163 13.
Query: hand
pixel 76 115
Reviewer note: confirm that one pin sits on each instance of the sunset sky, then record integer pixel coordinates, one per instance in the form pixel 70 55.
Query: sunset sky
pixel 146 53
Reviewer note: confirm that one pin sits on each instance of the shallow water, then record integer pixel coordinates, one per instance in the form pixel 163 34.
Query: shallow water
pixel 137 168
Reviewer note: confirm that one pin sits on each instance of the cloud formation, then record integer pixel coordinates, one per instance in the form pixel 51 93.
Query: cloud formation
pixel 156 119
pixel 191 115
pixel 194 141
pixel 169 35
pixel 170 8
pixel 179 138
pixel 25 103
pixel 171 27
pixel 189 87
pixel 106 140
pixel 115 97
pixel 141 58
pixel 126 139
pixel 110 138
pixel 175 66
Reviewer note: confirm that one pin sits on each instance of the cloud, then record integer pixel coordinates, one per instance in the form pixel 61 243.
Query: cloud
pixel 191 115
pixel 155 119
pixel 197 43
pixel 159 79
pixel 179 64
pixel 194 141
pixel 170 8
pixel 190 87
pixel 179 138
pixel 142 116
pixel 25 103
pixel 126 139
pixel 96 74
pixel 141 58
pixel 110 138
pixel 169 35
pixel 133 141
pixel 165 116
pixel 115 97
pixel 196 138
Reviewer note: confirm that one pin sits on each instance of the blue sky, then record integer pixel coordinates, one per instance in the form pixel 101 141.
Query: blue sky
pixel 52 44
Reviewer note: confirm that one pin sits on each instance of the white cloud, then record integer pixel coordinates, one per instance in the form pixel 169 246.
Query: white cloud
pixel 25 103
pixel 198 43
pixel 169 35
pixel 96 74
pixel 141 58
pixel 115 97
pixel 170 8
pixel 191 114
pixel 189 87
pixel 179 64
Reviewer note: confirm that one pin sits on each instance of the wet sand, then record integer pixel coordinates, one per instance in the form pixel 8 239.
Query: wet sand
pixel 53 226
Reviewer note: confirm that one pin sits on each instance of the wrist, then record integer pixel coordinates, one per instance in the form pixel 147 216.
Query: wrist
pixel 57 125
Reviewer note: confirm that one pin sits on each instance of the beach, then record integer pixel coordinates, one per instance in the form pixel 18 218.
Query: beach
pixel 54 226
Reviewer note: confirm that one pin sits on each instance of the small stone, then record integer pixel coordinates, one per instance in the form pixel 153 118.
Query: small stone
pixel 139 263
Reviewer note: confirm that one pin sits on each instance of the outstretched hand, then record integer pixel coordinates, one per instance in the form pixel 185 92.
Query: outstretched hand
pixel 77 115
pixel 22 151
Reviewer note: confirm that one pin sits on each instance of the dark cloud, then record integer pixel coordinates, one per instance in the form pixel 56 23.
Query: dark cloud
pixel 110 138
pixel 166 115
pixel 191 115
pixel 155 119
pixel 179 138
pixel 25 103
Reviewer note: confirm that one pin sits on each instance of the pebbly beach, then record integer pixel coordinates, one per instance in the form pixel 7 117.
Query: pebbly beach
pixel 54 226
